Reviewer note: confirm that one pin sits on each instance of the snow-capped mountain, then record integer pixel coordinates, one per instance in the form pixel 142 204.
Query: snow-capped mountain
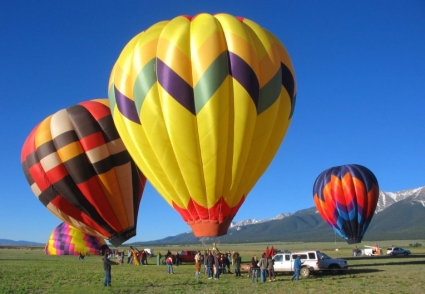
pixel 386 199
pixel 401 217
pixel 251 221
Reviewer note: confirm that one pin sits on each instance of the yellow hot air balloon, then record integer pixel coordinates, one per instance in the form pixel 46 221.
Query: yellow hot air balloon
pixel 202 105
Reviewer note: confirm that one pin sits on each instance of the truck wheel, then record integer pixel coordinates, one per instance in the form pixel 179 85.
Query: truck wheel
pixel 334 269
pixel 305 272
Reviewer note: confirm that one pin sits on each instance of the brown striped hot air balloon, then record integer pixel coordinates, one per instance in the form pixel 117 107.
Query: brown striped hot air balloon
pixel 79 168
pixel 202 105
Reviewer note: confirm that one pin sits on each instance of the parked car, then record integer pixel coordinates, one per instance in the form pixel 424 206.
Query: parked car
pixel 312 261
pixel 372 250
pixel 398 251
pixel 186 256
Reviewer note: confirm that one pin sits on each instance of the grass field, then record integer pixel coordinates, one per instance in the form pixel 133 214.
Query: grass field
pixel 29 270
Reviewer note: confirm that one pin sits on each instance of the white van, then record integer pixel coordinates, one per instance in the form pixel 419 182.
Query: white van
pixel 311 261
pixel 149 251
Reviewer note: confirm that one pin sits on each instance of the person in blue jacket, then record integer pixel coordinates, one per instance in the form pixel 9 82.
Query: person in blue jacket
pixel 297 268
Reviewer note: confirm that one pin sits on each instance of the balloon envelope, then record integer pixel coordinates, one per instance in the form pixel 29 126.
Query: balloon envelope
pixel 202 105
pixel 79 168
pixel 346 198
pixel 67 240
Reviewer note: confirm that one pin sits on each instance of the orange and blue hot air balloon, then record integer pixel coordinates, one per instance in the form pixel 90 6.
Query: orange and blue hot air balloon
pixel 79 168
pixel 202 104
pixel 346 197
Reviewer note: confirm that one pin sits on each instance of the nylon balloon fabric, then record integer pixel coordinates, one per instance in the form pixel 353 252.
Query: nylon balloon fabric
pixel 67 240
pixel 346 197
pixel 203 104
pixel 79 168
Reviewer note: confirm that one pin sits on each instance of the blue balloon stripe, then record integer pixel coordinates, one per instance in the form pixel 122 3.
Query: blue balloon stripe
pixel 243 73
pixel 178 88
pixel 127 107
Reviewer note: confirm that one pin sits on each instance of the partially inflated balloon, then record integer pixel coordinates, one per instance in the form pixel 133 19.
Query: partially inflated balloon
pixel 79 168
pixel 346 198
pixel 202 105
pixel 67 240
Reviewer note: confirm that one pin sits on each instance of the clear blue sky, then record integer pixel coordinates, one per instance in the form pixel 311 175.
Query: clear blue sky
pixel 360 68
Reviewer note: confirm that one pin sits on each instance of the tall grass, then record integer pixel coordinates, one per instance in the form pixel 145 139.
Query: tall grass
pixel 29 270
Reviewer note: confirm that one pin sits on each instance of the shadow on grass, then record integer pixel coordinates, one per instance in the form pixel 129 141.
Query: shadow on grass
pixel 347 273
pixel 402 263
pixel 381 257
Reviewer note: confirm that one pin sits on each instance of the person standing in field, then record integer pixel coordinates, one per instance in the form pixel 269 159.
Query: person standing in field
pixel 223 263
pixel 135 255
pixel 263 267
pixel 158 258
pixel 177 259
pixel 217 266
pixel 107 269
pixel 297 268
pixel 254 269
pixel 270 268
pixel 198 265
pixel 129 257
pixel 237 263
pixel 210 264
pixel 228 257
pixel 169 263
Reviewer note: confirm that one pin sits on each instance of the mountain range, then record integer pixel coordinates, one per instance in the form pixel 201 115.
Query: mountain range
pixel 398 216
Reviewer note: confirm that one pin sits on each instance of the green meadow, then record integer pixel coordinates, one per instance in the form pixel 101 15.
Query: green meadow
pixel 29 270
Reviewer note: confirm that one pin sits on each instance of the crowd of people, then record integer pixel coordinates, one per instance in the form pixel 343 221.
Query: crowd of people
pixel 216 264
pixel 211 263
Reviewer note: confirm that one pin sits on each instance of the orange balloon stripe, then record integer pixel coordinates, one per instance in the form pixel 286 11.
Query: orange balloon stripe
pixel 323 210
pixel 349 185
pixel 94 194
pixel 372 199
pixel 360 194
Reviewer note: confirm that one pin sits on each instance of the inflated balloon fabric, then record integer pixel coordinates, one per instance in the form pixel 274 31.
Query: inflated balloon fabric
pixel 67 240
pixel 79 168
pixel 346 198
pixel 202 105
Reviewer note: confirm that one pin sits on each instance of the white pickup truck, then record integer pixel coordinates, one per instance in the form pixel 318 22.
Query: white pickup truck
pixel 311 261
